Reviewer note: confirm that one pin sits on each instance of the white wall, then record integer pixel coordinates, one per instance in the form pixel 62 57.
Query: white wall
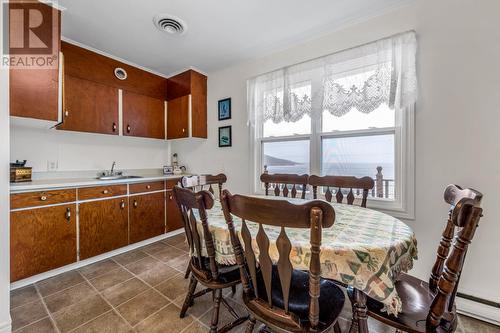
pixel 4 196
pixel 457 119
pixel 74 151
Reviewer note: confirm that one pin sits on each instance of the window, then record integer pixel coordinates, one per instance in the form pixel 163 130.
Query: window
pixel 349 113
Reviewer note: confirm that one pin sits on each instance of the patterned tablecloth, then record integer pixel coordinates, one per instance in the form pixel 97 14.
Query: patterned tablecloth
pixel 365 249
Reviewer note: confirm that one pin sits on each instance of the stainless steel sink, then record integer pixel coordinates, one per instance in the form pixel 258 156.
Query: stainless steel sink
pixel 117 177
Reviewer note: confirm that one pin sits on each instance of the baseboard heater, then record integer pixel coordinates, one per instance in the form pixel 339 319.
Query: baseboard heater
pixel 479 300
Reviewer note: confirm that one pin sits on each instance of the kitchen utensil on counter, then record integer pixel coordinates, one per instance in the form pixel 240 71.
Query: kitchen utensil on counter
pixel 19 172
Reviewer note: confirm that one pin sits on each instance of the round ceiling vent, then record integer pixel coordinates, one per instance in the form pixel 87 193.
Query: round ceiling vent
pixel 171 24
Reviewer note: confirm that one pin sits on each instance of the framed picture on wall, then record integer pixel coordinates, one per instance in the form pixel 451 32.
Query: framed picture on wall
pixel 225 138
pixel 224 109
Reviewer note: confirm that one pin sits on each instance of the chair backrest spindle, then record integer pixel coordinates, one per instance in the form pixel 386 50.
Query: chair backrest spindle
pixel 313 215
pixel 188 201
pixel 340 183
pixel 285 184
pixel 465 212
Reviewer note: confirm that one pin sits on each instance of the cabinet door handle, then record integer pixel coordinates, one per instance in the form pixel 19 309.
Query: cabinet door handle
pixel 105 192
pixel 66 113
pixel 148 186
pixel 114 127
pixel 135 203
pixel 170 197
pixel 122 204
pixel 43 198
pixel 128 128
pixel 68 214
pixel 183 130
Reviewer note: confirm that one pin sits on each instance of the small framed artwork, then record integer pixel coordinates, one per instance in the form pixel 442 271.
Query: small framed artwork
pixel 225 139
pixel 225 109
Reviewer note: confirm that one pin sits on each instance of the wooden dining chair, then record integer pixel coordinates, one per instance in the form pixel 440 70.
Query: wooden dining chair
pixel 284 299
pixel 430 307
pixel 198 183
pixel 205 269
pixel 284 184
pixel 202 182
pixel 340 183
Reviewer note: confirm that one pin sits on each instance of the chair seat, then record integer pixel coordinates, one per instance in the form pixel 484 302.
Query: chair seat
pixel 331 300
pixel 416 298
pixel 228 274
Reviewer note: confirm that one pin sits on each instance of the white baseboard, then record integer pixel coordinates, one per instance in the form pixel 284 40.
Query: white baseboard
pixel 6 327
pixel 64 269
pixel 479 311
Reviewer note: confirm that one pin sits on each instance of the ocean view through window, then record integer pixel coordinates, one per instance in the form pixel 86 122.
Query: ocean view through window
pixel 346 114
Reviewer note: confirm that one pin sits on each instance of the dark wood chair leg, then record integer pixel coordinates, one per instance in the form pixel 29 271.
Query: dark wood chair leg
pixel 215 313
pixel 229 308
pixel 359 312
pixel 189 297
pixel 188 271
pixel 250 325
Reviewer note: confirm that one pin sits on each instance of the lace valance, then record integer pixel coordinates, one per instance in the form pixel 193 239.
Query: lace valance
pixel 388 75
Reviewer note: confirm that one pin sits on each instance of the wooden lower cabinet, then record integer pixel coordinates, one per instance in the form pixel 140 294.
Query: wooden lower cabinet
pixel 147 216
pixel 103 226
pixel 174 217
pixel 42 239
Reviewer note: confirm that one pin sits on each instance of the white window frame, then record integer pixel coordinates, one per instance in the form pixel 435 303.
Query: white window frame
pixel 403 205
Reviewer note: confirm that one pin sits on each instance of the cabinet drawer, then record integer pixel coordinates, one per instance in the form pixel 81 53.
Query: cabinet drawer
pixel 41 198
pixel 106 191
pixel 172 182
pixel 147 187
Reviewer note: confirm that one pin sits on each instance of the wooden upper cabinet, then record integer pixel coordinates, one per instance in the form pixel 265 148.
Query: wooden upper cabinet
pixel 34 93
pixel 89 107
pixel 92 66
pixel 42 239
pixel 143 116
pixel 187 103
pixel 178 117
pixel 103 226
pixel 198 105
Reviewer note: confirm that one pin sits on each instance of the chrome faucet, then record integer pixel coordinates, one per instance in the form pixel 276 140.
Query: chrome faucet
pixel 113 167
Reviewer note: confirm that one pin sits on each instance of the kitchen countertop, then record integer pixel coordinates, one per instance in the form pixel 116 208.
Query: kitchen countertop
pixel 50 184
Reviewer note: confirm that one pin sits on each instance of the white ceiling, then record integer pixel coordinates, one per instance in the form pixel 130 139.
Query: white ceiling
pixel 220 32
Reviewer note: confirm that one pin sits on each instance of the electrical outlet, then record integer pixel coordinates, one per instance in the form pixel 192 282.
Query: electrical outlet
pixel 52 165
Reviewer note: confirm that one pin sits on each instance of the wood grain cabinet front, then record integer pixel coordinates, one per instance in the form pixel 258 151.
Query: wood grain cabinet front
pixel 34 93
pixel 103 226
pixel 41 198
pixel 143 116
pixel 89 107
pixel 147 216
pixel 106 191
pixel 42 239
pixel 187 105
pixel 178 118
pixel 147 187
pixel 174 217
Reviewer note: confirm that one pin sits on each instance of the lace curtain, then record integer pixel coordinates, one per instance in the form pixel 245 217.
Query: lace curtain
pixel 282 95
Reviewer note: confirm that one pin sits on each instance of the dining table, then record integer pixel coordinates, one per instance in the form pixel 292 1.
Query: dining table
pixel 364 250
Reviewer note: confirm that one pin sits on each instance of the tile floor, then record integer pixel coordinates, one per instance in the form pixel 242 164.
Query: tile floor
pixel 138 291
